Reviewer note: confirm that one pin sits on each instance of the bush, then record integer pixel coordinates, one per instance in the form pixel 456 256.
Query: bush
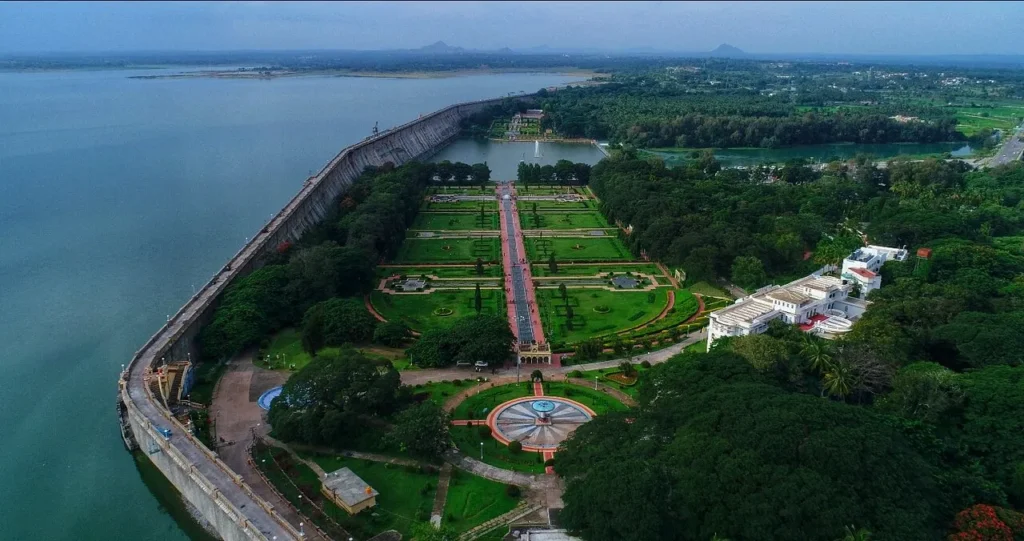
pixel 457 382
pixel 549 462
pixel 515 447
pixel 512 491
pixel 537 375
pixel 646 364
pixel 637 316
pixel 484 431
pixel 576 374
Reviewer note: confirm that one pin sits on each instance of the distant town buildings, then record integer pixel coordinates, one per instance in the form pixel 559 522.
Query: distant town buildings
pixel 820 304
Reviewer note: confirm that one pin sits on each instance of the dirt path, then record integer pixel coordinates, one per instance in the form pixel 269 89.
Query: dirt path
pixel 237 414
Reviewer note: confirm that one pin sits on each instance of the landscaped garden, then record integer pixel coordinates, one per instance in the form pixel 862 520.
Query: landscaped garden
pixel 455 221
pixel 596 312
pixel 493 452
pixel 599 401
pixel 454 250
pixel 607 248
pixel 465 270
pixel 472 205
pixel 477 406
pixel 560 220
pixel 540 268
pixel 439 308
pixel 474 500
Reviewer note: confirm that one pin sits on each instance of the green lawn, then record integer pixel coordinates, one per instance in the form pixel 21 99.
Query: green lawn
pixel 625 309
pixel 631 390
pixel 547 190
pixel 403 500
pixel 477 406
pixel 468 206
pixel 468 271
pixel 467 439
pixel 606 248
pixel 418 250
pixel 455 221
pixel 583 269
pixel 685 307
pixel 555 206
pixel 598 401
pixel 474 500
pixel 440 391
pixel 698 347
pixel 285 351
pixel 707 289
pixel 417 311
pixel 568 220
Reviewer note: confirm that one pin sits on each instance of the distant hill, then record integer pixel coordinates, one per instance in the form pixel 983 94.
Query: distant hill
pixel 727 51
pixel 440 47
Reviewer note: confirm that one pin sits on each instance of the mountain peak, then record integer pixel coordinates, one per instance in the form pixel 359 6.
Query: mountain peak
pixel 727 50
pixel 440 47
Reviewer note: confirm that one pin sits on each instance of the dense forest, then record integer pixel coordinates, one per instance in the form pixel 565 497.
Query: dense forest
pixel 909 427
pixel 674 116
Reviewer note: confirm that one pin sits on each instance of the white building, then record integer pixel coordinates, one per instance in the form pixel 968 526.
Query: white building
pixel 818 304
pixel 863 265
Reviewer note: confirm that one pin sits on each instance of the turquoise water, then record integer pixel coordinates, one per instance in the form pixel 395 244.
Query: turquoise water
pixel 503 157
pixel 731 157
pixel 117 197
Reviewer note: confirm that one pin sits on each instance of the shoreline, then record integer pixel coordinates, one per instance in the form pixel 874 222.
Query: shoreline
pixel 276 74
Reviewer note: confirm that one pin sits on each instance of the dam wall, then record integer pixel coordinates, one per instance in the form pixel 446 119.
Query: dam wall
pixel 223 498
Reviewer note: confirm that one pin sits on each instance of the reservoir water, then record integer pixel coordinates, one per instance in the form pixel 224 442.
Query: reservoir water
pixel 731 157
pixel 503 157
pixel 117 197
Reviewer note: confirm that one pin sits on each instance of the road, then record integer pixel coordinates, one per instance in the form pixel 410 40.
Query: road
pixel 1010 151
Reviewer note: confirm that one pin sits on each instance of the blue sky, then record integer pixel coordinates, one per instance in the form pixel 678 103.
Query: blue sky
pixel 766 27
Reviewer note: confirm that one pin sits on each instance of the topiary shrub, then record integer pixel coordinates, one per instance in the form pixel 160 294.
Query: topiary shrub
pixel 512 491
pixel 575 374
pixel 515 447
pixel 646 364
pixel 549 462
pixel 457 382
pixel 484 431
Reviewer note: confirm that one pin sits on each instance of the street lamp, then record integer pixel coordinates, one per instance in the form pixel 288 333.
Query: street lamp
pixel 481 450
pixel 302 532
pixel 595 382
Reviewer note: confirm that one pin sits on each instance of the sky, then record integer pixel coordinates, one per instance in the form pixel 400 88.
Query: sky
pixel 899 28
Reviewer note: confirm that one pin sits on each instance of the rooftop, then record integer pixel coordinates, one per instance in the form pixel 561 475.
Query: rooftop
pixel 349 487
pixel 863 272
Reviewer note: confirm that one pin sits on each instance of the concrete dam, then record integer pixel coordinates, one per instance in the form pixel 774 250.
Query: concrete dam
pixel 219 494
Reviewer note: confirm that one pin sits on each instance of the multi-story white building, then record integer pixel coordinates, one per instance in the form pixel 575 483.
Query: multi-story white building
pixel 818 304
pixel 862 266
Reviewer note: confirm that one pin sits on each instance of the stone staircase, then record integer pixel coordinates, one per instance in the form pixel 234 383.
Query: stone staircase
pixel 517 513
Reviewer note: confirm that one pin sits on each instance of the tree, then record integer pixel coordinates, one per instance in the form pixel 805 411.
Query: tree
pixel 748 272
pixel 481 174
pixel 568 312
pixel 839 380
pixel 711 416
pixel 762 351
pixel 924 392
pixel 422 429
pixel 564 293
pixel 484 337
pixel 552 265
pixel 479 267
pixel 341 321
pixel 515 447
pixel 816 353
pixel 537 375
pixel 627 369
pixel 391 333
pixel 313 332
pixel 478 301
pixel 333 398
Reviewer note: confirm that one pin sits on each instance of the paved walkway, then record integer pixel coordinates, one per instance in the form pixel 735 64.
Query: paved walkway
pixel 507 375
pixel 237 415
pixel 522 309
pixel 493 473
pixel 441 496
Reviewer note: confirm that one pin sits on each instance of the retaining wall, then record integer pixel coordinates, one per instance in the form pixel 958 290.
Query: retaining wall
pixel 221 495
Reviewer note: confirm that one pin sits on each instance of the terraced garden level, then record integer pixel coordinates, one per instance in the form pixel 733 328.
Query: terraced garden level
pixel 459 250
pixel 436 309
pixel 577 249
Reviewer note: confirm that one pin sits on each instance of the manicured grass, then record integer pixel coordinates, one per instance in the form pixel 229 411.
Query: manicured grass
pixel 417 311
pixel 556 206
pixel 548 190
pixel 460 190
pixel 598 401
pixel 705 288
pixel 468 206
pixel 455 221
pixel 625 309
pixel 583 269
pixel 285 352
pixel 602 374
pixel 467 439
pixel 402 496
pixel 478 405
pixel 440 391
pixel 568 220
pixel 418 250
pixel 698 347
pixel 577 249
pixel 474 500
pixel 684 308
pixel 466 271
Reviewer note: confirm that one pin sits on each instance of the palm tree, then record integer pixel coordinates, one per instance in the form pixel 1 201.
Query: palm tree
pixel 838 381
pixel 817 354
pixel 849 534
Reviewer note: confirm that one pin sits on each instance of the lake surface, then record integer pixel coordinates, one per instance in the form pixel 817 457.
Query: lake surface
pixel 731 157
pixel 503 156
pixel 117 197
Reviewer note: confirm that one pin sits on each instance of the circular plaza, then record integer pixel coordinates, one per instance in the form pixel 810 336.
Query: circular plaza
pixel 538 423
